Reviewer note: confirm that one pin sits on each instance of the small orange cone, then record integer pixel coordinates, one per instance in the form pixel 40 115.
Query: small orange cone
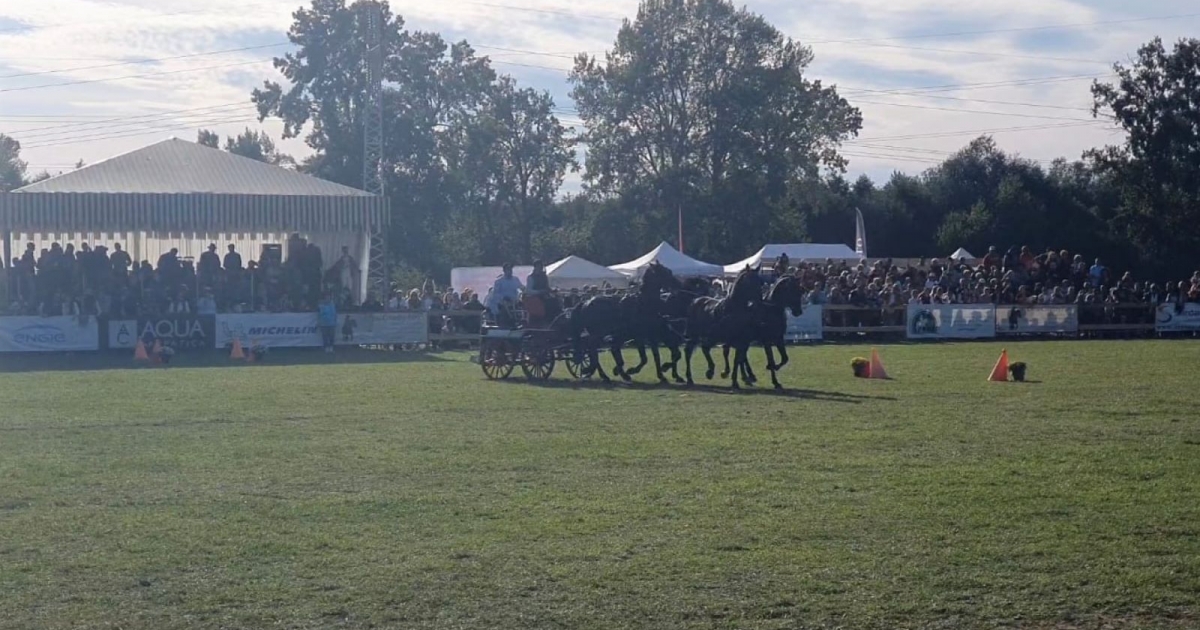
pixel 1000 372
pixel 237 354
pixel 876 370
pixel 139 352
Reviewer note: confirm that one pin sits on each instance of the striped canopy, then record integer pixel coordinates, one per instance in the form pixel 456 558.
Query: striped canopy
pixel 176 186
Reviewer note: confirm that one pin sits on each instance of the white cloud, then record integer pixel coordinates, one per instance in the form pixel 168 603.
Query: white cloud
pixel 70 34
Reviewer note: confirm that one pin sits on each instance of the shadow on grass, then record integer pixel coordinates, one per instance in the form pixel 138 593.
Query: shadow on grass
pixel 720 390
pixel 121 360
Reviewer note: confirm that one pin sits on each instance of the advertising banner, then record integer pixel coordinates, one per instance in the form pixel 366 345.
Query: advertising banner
pixel 122 334
pixel 49 334
pixel 272 330
pixel 367 329
pixel 181 332
pixel 807 327
pixel 1168 318
pixel 1016 320
pixel 951 321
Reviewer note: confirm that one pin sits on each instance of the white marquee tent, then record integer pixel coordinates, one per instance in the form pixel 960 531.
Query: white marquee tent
pixel 574 272
pixel 680 264
pixel 796 252
pixel 961 254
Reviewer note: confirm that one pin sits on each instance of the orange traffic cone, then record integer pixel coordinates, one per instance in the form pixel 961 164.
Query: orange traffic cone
pixel 237 354
pixel 1000 372
pixel 876 370
pixel 139 352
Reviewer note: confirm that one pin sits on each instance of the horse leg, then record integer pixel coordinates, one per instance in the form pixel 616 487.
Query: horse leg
pixel 725 354
pixel 712 366
pixel 748 375
pixel 772 366
pixel 594 354
pixel 658 366
pixel 642 359
pixel 618 356
pixel 737 356
pixel 688 350
pixel 675 356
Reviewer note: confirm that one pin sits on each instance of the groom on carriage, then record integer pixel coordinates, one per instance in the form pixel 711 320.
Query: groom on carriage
pixel 534 296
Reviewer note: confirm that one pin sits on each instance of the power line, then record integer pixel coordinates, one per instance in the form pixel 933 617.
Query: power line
pixel 132 76
pixel 148 131
pixel 970 111
pixel 1007 30
pixel 76 125
pixel 983 53
pixel 976 100
pixel 977 132
pixel 138 61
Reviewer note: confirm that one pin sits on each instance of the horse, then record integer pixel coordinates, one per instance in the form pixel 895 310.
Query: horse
pixel 770 326
pixel 673 334
pixel 635 317
pixel 729 320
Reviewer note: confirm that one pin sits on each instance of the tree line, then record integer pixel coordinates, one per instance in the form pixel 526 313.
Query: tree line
pixel 703 109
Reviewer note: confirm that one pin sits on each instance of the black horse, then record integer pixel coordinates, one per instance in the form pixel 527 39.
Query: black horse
pixel 730 320
pixel 674 321
pixel 636 317
pixel 770 326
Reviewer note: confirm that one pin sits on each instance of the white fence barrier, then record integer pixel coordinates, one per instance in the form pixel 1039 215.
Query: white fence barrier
pixel 1016 320
pixel 299 330
pixel 951 321
pixel 49 334
pixel 808 327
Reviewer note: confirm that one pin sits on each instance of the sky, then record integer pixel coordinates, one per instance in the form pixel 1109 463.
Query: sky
pixel 89 79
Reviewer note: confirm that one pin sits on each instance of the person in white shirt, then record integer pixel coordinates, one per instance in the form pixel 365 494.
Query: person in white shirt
pixel 507 288
pixel 207 305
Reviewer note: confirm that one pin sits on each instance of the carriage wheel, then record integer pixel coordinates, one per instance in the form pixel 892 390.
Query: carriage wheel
pixel 578 368
pixel 494 361
pixel 538 364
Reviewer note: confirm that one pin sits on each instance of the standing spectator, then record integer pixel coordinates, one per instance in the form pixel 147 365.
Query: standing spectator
pixel 120 261
pixel 233 260
pixel 209 265
pixel 327 321
pixel 347 267
pixel 1097 273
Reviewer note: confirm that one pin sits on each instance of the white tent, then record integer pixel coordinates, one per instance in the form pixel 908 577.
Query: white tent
pixel 574 272
pixel 962 253
pixel 480 279
pixel 679 264
pixel 796 252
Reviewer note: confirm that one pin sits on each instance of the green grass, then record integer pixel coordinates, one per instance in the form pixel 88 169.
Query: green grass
pixel 417 494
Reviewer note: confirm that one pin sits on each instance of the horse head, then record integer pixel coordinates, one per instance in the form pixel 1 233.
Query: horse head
pixel 747 288
pixel 789 293
pixel 658 278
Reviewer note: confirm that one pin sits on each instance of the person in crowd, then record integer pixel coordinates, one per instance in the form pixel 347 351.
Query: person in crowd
pixel 179 305
pixel 209 265
pixel 538 283
pixel 233 260
pixel 120 262
pixel 371 304
pixel 327 321
pixel 347 268
pixel 207 304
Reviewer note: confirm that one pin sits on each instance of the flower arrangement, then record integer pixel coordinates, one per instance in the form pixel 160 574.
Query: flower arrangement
pixel 1018 371
pixel 861 367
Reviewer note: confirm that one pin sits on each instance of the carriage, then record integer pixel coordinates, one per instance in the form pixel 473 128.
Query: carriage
pixel 521 337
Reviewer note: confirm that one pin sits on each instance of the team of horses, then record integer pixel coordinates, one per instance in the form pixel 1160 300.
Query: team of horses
pixel 665 312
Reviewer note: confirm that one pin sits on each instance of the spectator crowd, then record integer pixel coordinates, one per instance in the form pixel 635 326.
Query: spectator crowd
pixel 98 282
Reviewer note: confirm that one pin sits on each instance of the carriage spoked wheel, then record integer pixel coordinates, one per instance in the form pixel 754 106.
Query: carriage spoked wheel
pixel 579 368
pixel 495 362
pixel 538 364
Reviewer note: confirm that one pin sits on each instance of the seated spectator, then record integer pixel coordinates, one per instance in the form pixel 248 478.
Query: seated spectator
pixel 207 304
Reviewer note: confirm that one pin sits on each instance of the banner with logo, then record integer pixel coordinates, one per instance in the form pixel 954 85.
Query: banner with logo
pixel 951 321
pixel 272 330
pixel 1016 320
pixel 807 327
pixel 365 329
pixel 122 334
pixel 1169 319
pixel 181 332
pixel 49 334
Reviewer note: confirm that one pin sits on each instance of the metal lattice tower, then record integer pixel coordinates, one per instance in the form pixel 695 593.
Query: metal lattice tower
pixel 377 267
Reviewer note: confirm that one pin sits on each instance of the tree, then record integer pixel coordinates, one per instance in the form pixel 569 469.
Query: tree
pixel 705 108
pixel 208 138
pixel 257 145
pixel 1156 100
pixel 12 168
pixel 448 145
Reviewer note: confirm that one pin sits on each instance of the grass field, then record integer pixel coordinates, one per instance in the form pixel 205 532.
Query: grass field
pixel 417 494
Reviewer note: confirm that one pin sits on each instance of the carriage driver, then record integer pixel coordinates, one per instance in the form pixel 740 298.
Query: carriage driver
pixel 537 287
pixel 506 289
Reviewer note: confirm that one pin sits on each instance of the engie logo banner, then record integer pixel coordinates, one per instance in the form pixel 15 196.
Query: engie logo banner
pixel 49 334
pixel 951 321
pixel 1037 319
pixel 1169 319
pixel 807 327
